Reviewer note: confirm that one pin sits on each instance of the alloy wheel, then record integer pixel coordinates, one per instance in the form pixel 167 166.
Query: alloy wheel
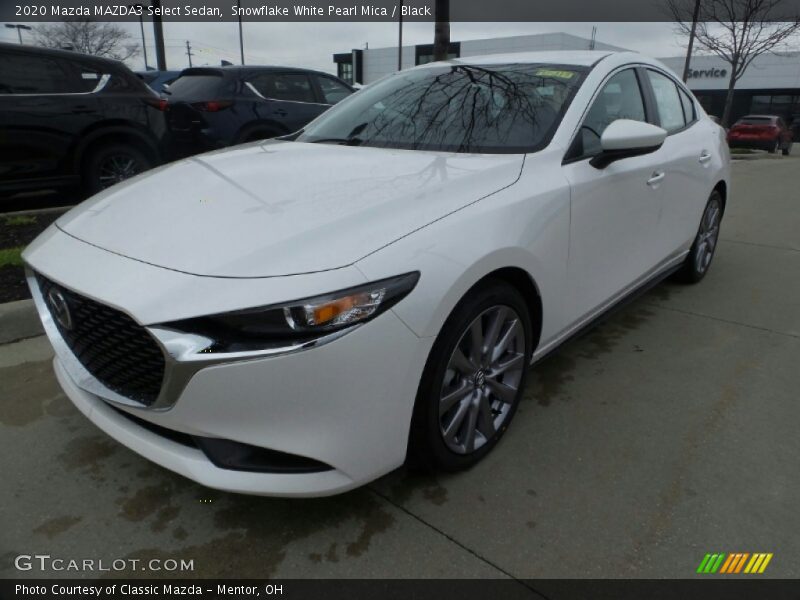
pixel 482 379
pixel 708 236
pixel 116 168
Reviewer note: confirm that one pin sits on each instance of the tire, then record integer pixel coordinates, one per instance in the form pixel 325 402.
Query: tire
pixel 788 150
pixel 477 400
pixel 698 261
pixel 774 148
pixel 112 163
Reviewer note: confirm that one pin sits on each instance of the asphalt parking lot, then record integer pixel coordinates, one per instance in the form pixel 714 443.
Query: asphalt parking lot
pixel 668 432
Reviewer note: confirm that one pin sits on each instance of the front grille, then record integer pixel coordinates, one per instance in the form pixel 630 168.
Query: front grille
pixel 116 350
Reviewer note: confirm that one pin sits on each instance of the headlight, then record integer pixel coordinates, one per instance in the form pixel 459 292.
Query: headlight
pixel 297 322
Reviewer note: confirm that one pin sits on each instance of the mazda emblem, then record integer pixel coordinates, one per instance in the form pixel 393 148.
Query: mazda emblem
pixel 60 309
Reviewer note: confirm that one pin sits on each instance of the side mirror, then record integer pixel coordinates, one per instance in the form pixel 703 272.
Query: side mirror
pixel 625 138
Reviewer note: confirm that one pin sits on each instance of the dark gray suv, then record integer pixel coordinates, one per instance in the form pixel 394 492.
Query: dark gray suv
pixel 68 118
pixel 215 107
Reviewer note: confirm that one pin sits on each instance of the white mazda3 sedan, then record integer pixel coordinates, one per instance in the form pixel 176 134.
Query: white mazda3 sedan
pixel 299 316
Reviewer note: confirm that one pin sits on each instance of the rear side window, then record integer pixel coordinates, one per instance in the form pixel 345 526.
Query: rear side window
pixel 688 107
pixel 87 78
pixel 119 83
pixel 668 101
pixel 200 86
pixel 23 74
pixel 332 90
pixel 294 87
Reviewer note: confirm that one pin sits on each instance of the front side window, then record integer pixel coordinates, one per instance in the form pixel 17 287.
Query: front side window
pixel 620 98
pixel 668 101
pixel 21 74
pixel 332 90
pixel 455 108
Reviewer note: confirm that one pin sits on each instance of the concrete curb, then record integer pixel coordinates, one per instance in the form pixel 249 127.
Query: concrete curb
pixel 18 321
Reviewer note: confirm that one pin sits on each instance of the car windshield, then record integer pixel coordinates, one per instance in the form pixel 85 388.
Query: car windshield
pixel 755 121
pixel 454 108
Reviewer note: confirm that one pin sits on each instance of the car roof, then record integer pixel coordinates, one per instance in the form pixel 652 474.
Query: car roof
pixel 55 53
pixel 578 58
pixel 157 73
pixel 237 69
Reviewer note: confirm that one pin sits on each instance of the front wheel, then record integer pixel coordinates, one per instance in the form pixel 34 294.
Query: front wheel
pixel 473 380
pixel 701 254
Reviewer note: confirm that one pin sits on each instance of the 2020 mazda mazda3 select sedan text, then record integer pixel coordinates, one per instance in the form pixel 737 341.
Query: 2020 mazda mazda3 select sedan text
pixel 299 316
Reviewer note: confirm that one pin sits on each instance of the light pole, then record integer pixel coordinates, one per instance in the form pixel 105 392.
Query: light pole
pixel 141 26
pixel 19 29
pixel 400 39
pixel 241 38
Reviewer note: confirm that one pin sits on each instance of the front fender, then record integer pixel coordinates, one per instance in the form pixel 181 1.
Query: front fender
pixel 509 229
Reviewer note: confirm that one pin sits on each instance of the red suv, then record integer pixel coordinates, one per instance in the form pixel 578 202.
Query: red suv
pixel 765 132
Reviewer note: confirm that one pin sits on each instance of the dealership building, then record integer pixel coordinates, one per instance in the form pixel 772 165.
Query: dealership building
pixel 771 85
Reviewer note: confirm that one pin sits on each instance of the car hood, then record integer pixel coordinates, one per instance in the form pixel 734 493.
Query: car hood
pixel 282 208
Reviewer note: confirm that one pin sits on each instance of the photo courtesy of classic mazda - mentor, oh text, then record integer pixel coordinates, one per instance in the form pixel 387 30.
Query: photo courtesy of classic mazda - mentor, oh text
pixel 299 316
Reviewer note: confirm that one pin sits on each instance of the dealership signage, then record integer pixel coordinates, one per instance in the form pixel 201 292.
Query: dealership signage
pixel 707 73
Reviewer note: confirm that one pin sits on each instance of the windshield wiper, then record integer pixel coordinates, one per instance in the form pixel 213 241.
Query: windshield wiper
pixel 351 141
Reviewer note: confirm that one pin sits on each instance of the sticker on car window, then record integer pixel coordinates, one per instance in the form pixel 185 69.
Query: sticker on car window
pixel 555 73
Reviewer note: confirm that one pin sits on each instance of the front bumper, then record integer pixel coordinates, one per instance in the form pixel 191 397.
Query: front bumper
pixel 347 404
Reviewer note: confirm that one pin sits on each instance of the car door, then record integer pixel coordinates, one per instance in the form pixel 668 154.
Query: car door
pixel 44 105
pixel 614 210
pixel 290 99
pixel 688 153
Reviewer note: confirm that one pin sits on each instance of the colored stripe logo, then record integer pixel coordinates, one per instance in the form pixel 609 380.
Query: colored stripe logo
pixel 734 563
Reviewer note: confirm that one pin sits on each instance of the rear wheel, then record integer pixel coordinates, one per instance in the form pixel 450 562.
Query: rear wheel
pixel 113 163
pixel 788 149
pixel 701 254
pixel 473 380
pixel 774 148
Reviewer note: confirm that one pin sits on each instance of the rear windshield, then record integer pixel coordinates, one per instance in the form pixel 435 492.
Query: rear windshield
pixel 206 86
pixel 755 121
pixel 147 77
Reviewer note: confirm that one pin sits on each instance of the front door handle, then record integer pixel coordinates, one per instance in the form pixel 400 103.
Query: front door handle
pixel 656 178
pixel 704 157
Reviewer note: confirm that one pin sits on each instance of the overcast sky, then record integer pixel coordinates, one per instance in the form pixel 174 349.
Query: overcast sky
pixel 313 44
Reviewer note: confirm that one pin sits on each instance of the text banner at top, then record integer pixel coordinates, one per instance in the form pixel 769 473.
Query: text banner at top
pixel 22 11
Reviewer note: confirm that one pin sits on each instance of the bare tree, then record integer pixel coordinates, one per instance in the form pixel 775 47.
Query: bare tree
pixel 737 31
pixel 89 37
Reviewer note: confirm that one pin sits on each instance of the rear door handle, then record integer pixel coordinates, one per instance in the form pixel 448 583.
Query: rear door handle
pixel 656 178
pixel 704 158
